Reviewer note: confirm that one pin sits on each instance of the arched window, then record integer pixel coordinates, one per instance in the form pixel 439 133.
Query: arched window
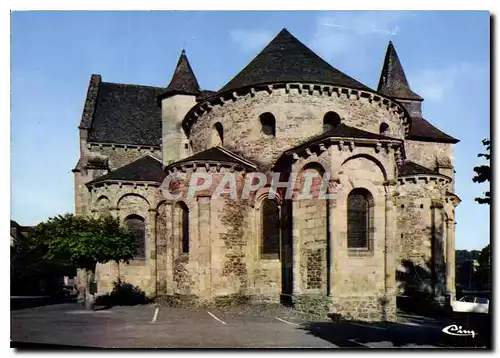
pixel 268 124
pixel 270 219
pixel 359 219
pixel 217 134
pixel 136 226
pixel 384 128
pixel 182 226
pixel 330 121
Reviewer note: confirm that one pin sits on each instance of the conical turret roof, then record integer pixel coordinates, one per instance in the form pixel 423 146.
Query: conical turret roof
pixel 286 59
pixel 183 80
pixel 393 82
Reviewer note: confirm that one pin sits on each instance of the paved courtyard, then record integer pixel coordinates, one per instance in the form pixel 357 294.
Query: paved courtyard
pixel 150 326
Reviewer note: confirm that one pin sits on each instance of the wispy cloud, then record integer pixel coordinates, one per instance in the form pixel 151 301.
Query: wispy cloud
pixel 354 33
pixel 433 84
pixel 251 39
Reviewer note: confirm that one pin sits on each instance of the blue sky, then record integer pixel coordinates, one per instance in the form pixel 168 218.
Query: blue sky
pixel 446 57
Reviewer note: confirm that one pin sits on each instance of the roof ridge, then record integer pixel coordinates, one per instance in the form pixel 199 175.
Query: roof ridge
pixel 131 85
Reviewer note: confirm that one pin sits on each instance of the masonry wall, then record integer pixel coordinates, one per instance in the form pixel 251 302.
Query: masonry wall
pixel 121 202
pixel 299 116
pixel 435 156
pixel 421 237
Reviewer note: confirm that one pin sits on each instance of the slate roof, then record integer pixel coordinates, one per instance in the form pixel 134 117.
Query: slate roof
pixel 183 80
pixel 286 59
pixel 343 131
pixel 422 130
pixel 218 154
pixel 393 82
pixel 412 168
pixel 145 168
pixel 205 94
pixel 126 114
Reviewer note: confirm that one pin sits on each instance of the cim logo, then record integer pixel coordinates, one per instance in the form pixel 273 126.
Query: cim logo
pixel 455 330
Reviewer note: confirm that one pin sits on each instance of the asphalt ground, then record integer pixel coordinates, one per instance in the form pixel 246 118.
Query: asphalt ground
pixel 150 326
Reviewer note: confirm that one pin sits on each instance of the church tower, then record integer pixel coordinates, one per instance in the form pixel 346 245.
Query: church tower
pixel 178 98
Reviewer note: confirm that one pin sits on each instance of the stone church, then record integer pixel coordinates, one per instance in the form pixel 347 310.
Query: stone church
pixel 289 112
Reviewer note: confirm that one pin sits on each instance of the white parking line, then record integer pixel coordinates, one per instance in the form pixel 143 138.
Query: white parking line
pixel 356 342
pixel 89 312
pixel 156 315
pixel 216 318
pixel 282 320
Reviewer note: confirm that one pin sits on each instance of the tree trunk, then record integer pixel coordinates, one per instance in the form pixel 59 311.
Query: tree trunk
pixel 81 281
pixel 89 297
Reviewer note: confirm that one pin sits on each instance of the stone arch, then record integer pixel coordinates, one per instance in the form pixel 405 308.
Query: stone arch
pixel 136 225
pixel 331 120
pixel 269 228
pixel 102 205
pixel 268 124
pixel 312 240
pixel 314 168
pixel 360 219
pixel 130 200
pixel 370 158
pixel 217 134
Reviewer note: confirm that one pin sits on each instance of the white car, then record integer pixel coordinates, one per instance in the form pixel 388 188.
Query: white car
pixel 471 304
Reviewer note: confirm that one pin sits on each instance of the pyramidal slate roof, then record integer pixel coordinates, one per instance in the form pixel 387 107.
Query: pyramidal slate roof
pixel 217 154
pixel 343 131
pixel 183 79
pixel 412 168
pixel 146 168
pixel 126 114
pixel 422 130
pixel 393 82
pixel 286 59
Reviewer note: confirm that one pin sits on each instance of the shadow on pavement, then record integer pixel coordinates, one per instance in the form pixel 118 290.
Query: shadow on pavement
pixel 356 334
pixel 41 346
pixel 19 303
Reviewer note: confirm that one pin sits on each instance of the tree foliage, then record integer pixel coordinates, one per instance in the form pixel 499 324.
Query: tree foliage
pixel 31 272
pixel 84 241
pixel 483 173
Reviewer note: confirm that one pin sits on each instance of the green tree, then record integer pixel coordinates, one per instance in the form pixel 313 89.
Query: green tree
pixel 484 267
pixel 483 173
pixel 30 268
pixel 83 242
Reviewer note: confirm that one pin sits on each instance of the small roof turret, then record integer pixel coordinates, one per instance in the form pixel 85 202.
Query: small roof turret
pixel 393 82
pixel 183 80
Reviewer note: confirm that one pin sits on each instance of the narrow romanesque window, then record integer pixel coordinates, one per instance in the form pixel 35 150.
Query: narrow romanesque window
pixel 270 227
pixel 217 134
pixel 185 231
pixel 330 121
pixel 136 226
pixel 268 124
pixel 182 218
pixel 359 218
pixel 384 128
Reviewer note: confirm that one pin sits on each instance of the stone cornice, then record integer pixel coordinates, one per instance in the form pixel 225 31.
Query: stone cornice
pixel 344 144
pixel 209 165
pixel 439 178
pixel 452 198
pixel 111 182
pixel 139 147
pixel 315 89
